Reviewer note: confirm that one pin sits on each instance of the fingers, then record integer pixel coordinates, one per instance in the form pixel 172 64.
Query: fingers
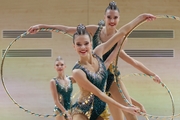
pixel 157 79
pixel 33 29
pixel 136 111
pixel 143 110
pixel 150 17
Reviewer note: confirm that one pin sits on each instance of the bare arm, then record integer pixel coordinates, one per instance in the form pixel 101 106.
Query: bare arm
pixel 104 47
pixel 138 65
pixel 66 29
pixel 112 56
pixel 139 105
pixel 83 82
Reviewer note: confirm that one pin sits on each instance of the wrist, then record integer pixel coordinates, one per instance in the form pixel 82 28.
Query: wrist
pixel 40 26
pixel 153 75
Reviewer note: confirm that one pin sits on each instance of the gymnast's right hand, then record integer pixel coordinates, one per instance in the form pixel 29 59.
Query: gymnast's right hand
pixel 133 110
pixel 69 117
pixel 33 29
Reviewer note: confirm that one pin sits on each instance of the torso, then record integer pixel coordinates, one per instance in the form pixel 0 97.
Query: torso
pixel 87 100
pixel 99 38
pixel 96 76
pixel 64 92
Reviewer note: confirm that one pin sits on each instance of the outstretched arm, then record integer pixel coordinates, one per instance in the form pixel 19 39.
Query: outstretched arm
pixel 82 81
pixel 138 65
pixel 66 29
pixel 104 47
pixel 34 29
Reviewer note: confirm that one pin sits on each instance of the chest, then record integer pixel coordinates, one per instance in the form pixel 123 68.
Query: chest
pixel 104 37
pixel 64 87
pixel 92 68
pixel 97 78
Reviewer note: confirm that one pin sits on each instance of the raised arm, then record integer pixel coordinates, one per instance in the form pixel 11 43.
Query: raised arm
pixel 123 31
pixel 66 29
pixel 83 82
pixel 112 56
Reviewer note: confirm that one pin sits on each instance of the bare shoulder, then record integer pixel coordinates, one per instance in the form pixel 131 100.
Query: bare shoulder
pixel 78 75
pixel 52 81
pixel 77 72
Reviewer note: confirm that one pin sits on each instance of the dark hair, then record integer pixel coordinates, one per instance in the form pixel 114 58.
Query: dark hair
pixel 81 30
pixel 112 6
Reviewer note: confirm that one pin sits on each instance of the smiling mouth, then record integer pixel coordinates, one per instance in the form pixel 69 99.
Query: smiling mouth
pixel 83 52
pixel 112 24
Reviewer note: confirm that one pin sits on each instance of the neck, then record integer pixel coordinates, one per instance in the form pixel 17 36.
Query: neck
pixel 61 76
pixel 86 60
pixel 109 31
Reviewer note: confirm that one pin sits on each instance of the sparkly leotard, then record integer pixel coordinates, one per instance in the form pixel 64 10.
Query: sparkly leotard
pixel 64 94
pixel 92 107
pixel 96 42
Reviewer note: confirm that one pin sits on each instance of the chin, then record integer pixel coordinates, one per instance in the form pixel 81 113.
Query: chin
pixel 83 55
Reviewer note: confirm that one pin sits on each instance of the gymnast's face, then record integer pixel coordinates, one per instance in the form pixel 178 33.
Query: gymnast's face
pixel 82 45
pixel 60 66
pixel 111 18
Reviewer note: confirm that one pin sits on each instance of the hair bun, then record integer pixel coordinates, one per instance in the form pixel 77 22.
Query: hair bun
pixel 112 5
pixel 101 23
pixel 81 29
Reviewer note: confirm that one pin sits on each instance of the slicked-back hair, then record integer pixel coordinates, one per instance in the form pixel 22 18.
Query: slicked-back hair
pixel 81 30
pixel 112 6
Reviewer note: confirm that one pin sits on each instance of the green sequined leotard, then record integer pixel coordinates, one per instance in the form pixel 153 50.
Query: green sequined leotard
pixel 96 41
pixel 64 94
pixel 99 80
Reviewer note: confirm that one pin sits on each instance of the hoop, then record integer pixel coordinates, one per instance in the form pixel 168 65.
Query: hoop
pixel 162 84
pixel 116 75
pixel 2 78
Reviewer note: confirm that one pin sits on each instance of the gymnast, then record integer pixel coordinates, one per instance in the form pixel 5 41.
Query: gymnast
pixel 90 72
pixel 100 35
pixel 61 89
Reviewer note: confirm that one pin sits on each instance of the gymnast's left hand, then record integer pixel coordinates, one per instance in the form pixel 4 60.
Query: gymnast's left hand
pixel 157 79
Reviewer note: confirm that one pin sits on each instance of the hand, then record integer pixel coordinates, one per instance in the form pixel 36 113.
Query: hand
pixel 141 107
pixel 33 29
pixel 157 79
pixel 148 17
pixel 133 110
pixel 68 117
